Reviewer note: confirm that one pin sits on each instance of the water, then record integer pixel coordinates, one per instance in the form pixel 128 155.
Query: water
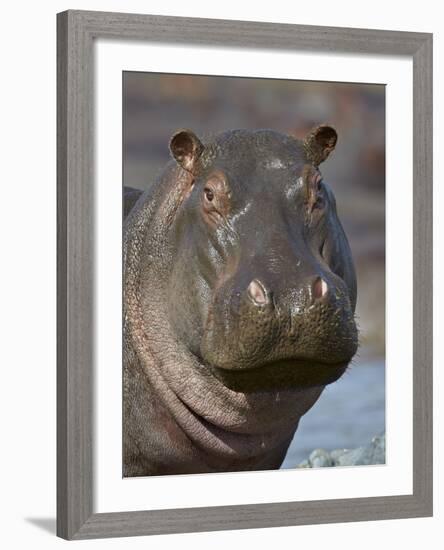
pixel 348 414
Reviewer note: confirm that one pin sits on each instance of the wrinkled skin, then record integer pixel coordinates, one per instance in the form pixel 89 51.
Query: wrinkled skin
pixel 239 299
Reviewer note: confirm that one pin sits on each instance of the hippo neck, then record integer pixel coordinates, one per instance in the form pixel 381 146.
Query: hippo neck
pixel 218 420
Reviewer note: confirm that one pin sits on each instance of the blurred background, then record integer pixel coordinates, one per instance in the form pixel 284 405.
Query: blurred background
pixel 352 410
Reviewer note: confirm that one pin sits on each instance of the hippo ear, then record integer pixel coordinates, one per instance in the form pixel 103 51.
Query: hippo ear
pixel 319 143
pixel 186 148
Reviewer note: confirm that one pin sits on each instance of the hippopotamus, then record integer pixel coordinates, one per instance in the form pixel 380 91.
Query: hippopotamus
pixel 239 300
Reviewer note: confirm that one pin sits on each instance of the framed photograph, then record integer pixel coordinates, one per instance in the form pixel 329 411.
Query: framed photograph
pixel 244 275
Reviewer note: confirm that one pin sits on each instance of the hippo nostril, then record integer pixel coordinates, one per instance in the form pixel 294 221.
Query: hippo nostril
pixel 319 288
pixel 257 292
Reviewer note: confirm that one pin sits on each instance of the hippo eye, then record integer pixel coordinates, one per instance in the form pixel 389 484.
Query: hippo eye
pixel 209 195
pixel 215 199
pixel 319 203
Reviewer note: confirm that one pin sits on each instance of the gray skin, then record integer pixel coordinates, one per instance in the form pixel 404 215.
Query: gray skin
pixel 239 299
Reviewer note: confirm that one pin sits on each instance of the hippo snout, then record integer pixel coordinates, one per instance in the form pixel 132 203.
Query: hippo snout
pixel 291 329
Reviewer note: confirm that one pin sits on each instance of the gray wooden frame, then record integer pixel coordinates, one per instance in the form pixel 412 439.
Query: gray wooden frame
pixel 76 32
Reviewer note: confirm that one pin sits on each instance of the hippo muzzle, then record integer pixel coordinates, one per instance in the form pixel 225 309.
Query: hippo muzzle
pixel 289 331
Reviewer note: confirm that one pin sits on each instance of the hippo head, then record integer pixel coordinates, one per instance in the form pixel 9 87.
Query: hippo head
pixel 262 289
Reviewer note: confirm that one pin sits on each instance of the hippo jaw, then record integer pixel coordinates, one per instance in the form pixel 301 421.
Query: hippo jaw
pixel 279 375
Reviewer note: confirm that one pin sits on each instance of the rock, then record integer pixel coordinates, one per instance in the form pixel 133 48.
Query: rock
pixel 320 458
pixel 355 457
pixel 373 453
pixel 379 449
pixel 336 454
